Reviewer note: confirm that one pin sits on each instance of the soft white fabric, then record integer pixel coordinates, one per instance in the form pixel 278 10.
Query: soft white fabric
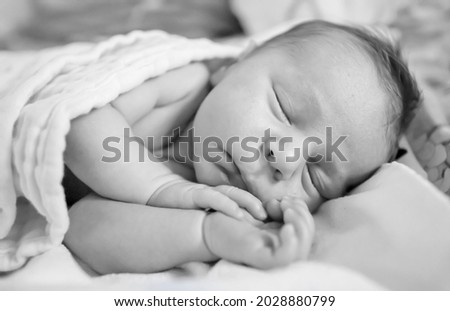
pixel 40 92
pixel 394 228
pixel 57 270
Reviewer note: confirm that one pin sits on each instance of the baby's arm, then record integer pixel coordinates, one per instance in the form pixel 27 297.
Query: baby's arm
pixel 137 176
pixel 134 175
pixel 114 237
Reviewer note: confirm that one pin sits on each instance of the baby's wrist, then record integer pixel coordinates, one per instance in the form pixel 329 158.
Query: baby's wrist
pixel 159 193
pixel 206 234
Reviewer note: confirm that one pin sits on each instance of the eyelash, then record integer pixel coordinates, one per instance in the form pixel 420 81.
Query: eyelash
pixel 284 117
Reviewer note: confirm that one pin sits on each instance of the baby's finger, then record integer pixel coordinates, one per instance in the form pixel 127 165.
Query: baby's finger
pixel 251 220
pixel 245 200
pixel 210 198
pixel 304 217
pixel 303 223
pixel 287 250
pixel 273 210
pixel 299 216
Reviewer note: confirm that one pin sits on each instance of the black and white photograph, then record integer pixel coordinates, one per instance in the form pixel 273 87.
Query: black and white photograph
pixel 271 146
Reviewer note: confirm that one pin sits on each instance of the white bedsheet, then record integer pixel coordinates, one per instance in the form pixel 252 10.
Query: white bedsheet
pixel 58 270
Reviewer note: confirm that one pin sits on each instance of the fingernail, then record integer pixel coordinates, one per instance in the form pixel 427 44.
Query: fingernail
pixel 263 213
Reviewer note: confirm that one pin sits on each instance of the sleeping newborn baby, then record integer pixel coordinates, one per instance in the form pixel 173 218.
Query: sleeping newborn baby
pixel 299 120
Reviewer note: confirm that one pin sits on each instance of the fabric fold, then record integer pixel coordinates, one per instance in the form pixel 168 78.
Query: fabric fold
pixel 40 93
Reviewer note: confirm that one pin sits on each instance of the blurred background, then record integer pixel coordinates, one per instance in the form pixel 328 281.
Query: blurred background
pixel 31 23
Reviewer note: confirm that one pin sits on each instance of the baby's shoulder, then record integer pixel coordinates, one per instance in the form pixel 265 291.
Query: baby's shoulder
pixel 182 81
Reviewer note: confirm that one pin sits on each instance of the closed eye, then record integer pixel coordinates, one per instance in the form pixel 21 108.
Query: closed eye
pixel 281 113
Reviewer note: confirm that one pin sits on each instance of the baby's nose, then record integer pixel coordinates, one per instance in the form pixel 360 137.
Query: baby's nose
pixel 283 161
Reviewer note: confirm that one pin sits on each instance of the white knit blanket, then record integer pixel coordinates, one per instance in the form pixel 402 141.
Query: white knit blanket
pixel 40 92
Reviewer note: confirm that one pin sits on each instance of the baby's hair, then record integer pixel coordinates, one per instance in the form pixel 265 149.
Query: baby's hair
pixel 400 85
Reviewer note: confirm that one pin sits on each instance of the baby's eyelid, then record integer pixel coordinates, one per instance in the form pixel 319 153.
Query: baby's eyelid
pixel 280 105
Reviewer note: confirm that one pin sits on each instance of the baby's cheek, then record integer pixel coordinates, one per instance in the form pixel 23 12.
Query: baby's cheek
pixel 315 203
pixel 209 174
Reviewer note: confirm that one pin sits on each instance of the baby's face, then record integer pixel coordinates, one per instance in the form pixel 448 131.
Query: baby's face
pixel 296 95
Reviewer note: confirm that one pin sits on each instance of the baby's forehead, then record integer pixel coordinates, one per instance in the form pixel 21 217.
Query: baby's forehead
pixel 334 67
pixel 336 44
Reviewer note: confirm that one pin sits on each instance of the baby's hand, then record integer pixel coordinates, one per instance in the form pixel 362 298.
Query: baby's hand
pixel 266 247
pixel 292 241
pixel 229 200
pixel 275 208
pixel 296 214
